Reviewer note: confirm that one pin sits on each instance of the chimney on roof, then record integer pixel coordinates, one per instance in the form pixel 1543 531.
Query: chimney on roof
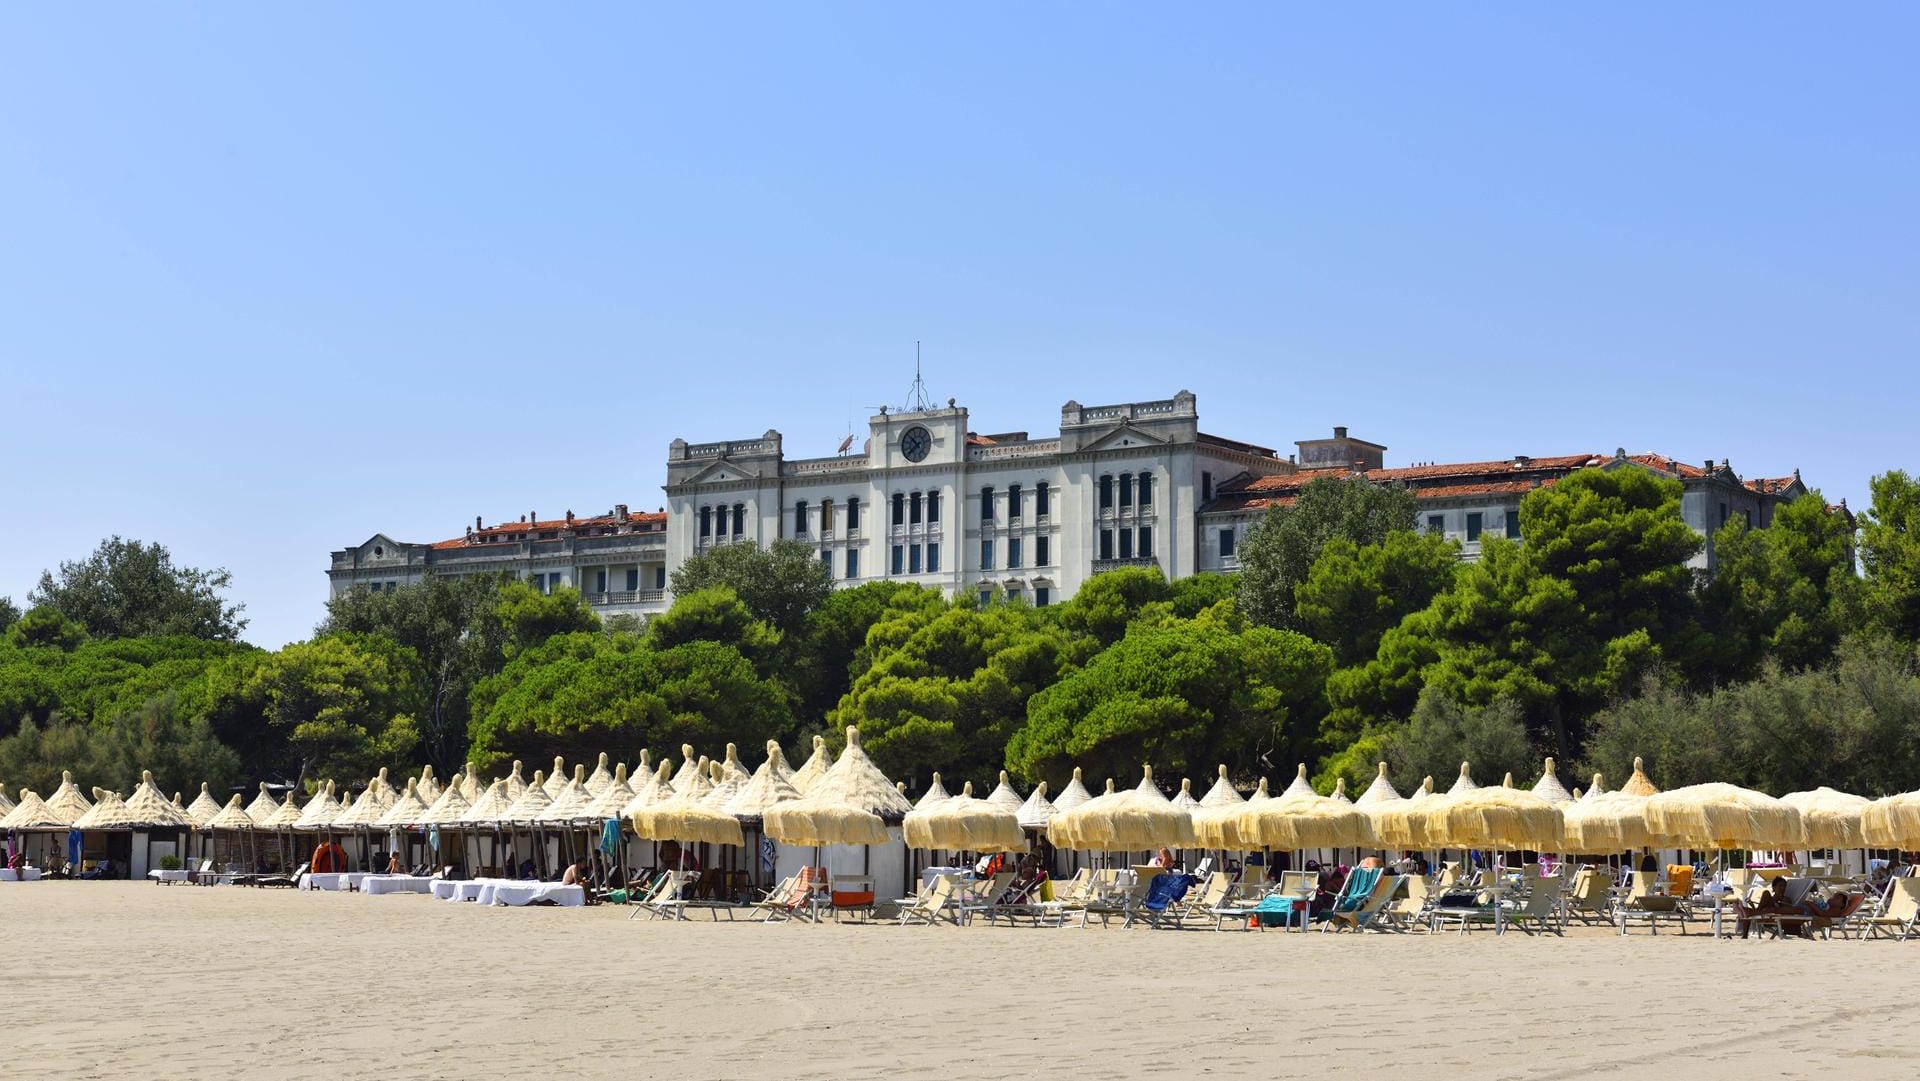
pixel 620 511
pixel 569 515
pixel 1339 431
pixel 1724 464
pixel 1522 460
pixel 476 522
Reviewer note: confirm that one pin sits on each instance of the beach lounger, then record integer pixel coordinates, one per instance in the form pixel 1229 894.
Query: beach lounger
pixel 1073 889
pixel 1385 888
pixel 1409 909
pixel 1119 900
pixel 1644 902
pixel 1212 893
pixel 285 881
pixel 982 894
pixel 1355 892
pixel 940 902
pixel 1286 902
pixel 1159 906
pixel 1590 901
pixel 1902 911
pixel 1540 912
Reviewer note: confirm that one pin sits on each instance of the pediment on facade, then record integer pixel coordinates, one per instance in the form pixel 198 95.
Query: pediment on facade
pixel 380 541
pixel 1122 436
pixel 722 471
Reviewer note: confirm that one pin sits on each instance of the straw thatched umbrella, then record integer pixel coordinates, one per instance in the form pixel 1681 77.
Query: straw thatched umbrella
pixel 728 783
pixel 814 768
pixel 1491 817
pixel 406 812
pixel 1831 819
pixel 850 804
pixel 1610 822
pixel 601 778
pixel 203 808
pixel 684 816
pixel 1301 821
pixel 688 765
pixel 1005 795
pixel 1037 811
pixel 1300 786
pixel 1214 820
pixel 1638 785
pixel 1462 783
pixel 656 788
pixel 1724 816
pixel 935 793
pixel 1597 788
pixel 770 784
pixel 7 805
pixel 149 808
pixel 319 812
pixel 1073 795
pixel 964 824
pixel 732 768
pixel 68 801
pixel 515 784
pixel 1888 822
pixel 609 801
pixel 1183 799
pixel 1379 791
pixel 264 806
pixel 570 801
pixel 1066 828
pixel 232 817
pixel 1137 820
pixel 1549 788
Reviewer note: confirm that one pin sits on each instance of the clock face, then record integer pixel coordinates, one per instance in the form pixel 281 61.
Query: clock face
pixel 915 444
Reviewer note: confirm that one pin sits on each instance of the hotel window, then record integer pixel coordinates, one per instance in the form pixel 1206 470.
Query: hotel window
pixel 1513 525
pixel 1126 544
pixel 853 516
pixel 1106 492
pixel 1040 546
pixel 1106 544
pixel 1126 489
pixel 1013 502
pixel 986 504
pixel 1041 595
pixel 1206 486
pixel 933 559
pixel 826 516
pixel 1473 525
pixel 706 521
pixel 600 581
pixel 739 519
pixel 913 559
pixel 986 596
pixel 1436 523
pixel 633 579
pixel 899 559
pixel 899 508
pixel 1013 594
pixel 1013 553
pixel 933 507
pixel 913 509
pixel 1226 543
pixel 659 577
pixel 1723 514
pixel 853 561
pixel 1146 542
pixel 800 519
pixel 1041 498
pixel 986 555
pixel 826 560
pixel 1146 489
pixel 1749 516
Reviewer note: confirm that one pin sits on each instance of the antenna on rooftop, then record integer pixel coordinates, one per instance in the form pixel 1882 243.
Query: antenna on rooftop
pixel 917 397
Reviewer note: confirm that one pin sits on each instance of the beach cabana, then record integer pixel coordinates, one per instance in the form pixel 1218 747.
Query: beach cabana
pixel 264 806
pixel 160 827
pixel 851 806
pixel 684 817
pixel 68 801
pixel 1005 795
pixel 770 785
pixel 399 820
pixel 234 826
pixel 32 816
pixel 600 779
pixel 814 768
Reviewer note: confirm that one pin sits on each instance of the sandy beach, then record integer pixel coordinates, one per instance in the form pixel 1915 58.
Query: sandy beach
pixel 131 980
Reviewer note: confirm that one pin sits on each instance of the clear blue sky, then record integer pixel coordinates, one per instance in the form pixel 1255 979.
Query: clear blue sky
pixel 274 280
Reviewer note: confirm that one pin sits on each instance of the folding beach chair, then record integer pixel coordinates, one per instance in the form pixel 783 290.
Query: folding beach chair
pixel 1590 901
pixel 1286 903
pixel 1644 902
pixel 940 902
pixel 796 901
pixel 1159 906
pixel 981 894
pixel 1409 909
pixel 1355 892
pixel 1541 910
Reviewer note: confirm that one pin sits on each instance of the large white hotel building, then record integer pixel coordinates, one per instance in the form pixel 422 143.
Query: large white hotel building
pixel 929 500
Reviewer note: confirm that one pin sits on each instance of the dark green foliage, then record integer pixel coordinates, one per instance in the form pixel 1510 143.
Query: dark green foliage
pixel 1278 553
pixel 127 589
pixel 779 584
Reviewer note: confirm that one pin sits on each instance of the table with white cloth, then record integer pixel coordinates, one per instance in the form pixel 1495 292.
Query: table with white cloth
pixel 377 884
pixel 526 893
pixel 350 880
pixel 27 874
pixel 928 874
pixel 448 889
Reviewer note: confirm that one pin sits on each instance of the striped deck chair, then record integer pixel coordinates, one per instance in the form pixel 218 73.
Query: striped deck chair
pixel 793 903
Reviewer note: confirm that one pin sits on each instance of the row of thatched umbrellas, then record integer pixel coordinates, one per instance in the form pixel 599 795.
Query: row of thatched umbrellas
pixel 851 802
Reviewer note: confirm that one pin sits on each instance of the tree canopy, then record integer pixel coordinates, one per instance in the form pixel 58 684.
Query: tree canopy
pixel 1278 553
pixel 127 589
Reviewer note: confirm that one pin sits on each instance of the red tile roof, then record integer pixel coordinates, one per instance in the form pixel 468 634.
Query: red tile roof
pixel 510 532
pixel 1772 485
